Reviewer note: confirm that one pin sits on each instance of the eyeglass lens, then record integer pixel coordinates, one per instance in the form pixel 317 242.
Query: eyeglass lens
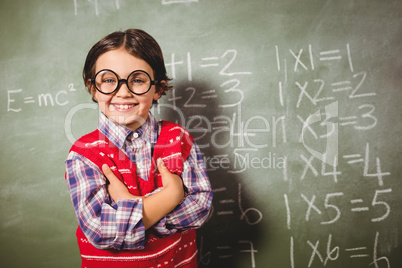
pixel 139 82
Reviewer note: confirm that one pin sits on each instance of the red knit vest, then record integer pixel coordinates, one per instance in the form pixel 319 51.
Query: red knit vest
pixel 177 250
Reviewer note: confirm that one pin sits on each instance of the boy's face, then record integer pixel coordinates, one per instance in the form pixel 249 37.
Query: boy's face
pixel 124 107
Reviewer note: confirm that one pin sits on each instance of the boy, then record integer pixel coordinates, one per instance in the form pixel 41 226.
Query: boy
pixel 142 214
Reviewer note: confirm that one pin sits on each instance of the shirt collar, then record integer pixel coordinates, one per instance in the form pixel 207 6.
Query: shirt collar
pixel 149 130
pixel 118 134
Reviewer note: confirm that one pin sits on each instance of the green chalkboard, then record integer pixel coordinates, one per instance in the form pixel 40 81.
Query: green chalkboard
pixel 295 105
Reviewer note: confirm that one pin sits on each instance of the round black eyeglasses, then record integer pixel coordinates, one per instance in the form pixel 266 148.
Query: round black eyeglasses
pixel 138 82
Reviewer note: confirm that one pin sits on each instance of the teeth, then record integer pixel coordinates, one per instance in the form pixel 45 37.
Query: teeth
pixel 124 107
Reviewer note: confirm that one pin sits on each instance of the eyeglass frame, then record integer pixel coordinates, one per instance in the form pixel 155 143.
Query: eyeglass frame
pixel 153 82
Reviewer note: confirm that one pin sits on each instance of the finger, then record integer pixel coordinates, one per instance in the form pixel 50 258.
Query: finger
pixel 161 166
pixel 108 172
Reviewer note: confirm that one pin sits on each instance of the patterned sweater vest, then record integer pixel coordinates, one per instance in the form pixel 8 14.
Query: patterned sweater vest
pixel 177 250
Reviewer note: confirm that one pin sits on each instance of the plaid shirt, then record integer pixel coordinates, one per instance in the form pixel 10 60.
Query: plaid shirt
pixel 109 225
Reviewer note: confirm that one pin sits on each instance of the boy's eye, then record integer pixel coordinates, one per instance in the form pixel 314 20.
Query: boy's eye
pixel 136 81
pixel 109 80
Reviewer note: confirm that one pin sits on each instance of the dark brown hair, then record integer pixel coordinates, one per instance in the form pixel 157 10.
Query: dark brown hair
pixel 136 42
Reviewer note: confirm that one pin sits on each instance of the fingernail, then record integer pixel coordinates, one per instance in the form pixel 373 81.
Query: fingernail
pixel 159 161
pixel 105 166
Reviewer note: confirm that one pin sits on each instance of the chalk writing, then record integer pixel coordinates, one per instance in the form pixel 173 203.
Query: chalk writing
pixel 228 251
pixel 309 62
pixel 332 252
pixel 224 64
pixel 16 99
pixel 332 206
pixel 311 170
pixel 251 216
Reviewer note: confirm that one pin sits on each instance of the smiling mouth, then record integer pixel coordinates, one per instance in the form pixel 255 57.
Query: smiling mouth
pixel 124 106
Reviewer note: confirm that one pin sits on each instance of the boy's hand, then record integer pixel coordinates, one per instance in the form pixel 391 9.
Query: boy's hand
pixel 116 188
pixel 171 181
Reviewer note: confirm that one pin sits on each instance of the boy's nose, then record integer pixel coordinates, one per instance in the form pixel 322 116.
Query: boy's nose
pixel 123 90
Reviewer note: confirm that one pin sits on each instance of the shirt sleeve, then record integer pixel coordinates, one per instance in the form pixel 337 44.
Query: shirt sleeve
pixel 106 225
pixel 193 211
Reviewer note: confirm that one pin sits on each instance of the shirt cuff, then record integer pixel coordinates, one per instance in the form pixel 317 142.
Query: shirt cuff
pixel 130 230
pixel 162 229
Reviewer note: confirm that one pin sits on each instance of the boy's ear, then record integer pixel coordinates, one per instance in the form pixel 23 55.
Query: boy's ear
pixel 89 84
pixel 161 87
pixel 91 90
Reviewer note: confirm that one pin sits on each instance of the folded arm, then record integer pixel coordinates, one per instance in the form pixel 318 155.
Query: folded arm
pixel 170 208
pixel 105 223
pixel 155 206
pixel 193 211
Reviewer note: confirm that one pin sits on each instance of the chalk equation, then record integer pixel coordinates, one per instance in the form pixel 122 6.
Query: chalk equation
pixel 17 98
pixel 314 168
pixel 332 253
pixel 316 91
pixel 332 202
pixel 225 65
